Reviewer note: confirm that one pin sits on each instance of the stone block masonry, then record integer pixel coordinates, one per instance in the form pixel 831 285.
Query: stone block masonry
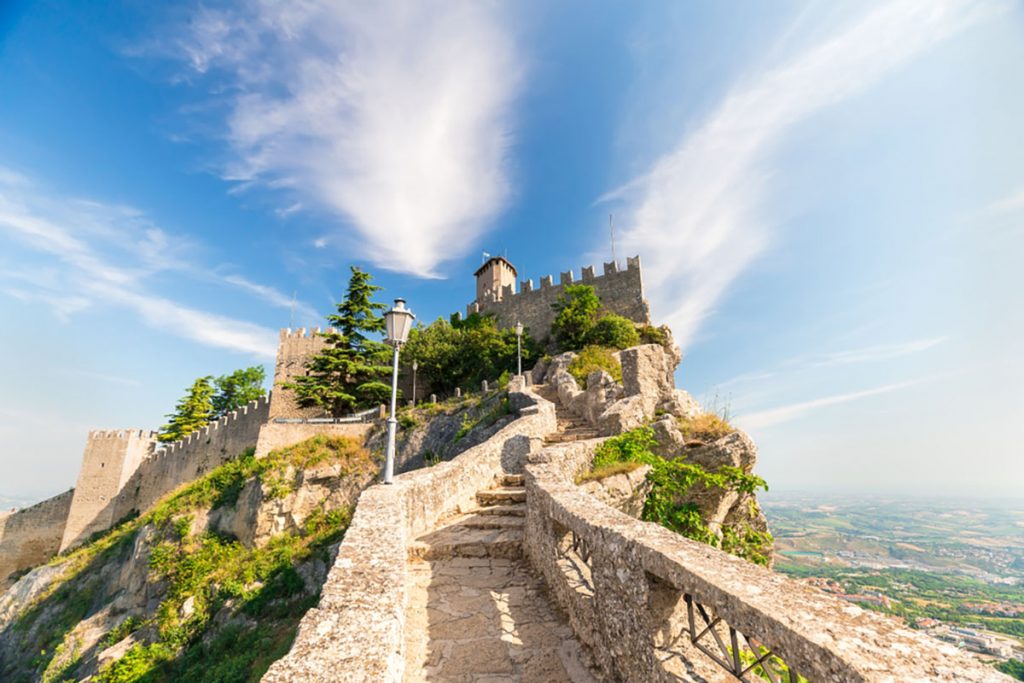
pixel 620 291
pixel 31 535
pixel 294 350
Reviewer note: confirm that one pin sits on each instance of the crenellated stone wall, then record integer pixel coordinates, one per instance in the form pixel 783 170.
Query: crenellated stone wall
pixel 620 291
pixel 127 471
pixel 32 535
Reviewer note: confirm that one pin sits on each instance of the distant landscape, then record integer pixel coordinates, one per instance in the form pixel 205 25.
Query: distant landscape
pixel 953 568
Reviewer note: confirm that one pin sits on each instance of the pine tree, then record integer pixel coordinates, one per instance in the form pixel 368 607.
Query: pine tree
pixel 192 413
pixel 351 371
pixel 239 388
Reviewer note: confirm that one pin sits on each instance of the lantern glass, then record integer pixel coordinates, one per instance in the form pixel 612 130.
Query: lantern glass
pixel 398 322
pixel 519 329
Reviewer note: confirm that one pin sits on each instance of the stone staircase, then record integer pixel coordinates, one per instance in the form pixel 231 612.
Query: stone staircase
pixel 571 427
pixel 477 611
pixel 494 529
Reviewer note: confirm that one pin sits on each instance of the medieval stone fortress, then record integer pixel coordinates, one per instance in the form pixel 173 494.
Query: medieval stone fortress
pixel 518 556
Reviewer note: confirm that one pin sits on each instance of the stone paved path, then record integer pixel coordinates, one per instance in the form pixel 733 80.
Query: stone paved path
pixel 477 612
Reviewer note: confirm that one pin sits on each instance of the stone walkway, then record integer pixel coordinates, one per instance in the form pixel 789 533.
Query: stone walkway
pixel 477 612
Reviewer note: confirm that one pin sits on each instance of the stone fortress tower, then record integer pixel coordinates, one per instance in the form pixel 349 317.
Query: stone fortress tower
pixel 492 278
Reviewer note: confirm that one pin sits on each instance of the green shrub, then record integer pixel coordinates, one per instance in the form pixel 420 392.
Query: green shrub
pixel 613 331
pixel 672 481
pixel 575 314
pixel 593 358
pixel 653 335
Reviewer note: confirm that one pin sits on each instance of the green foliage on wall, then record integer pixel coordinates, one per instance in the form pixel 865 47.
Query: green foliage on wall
pixel 673 481
pixel 613 331
pixel 463 353
pixel 593 358
pixel 352 370
pixel 575 314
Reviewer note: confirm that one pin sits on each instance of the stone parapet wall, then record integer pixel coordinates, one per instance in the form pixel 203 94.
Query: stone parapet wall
pixel 621 292
pixel 356 632
pixel 32 535
pixel 625 585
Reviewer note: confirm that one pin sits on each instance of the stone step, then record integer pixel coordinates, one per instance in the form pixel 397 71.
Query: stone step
pixel 460 540
pixel 485 521
pixel 501 496
pixel 569 438
pixel 514 510
pixel 511 480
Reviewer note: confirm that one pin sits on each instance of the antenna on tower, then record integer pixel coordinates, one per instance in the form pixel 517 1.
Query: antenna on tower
pixel 291 314
pixel 611 231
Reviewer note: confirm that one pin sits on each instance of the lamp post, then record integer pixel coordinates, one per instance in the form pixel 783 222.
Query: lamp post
pixel 398 322
pixel 415 367
pixel 519 348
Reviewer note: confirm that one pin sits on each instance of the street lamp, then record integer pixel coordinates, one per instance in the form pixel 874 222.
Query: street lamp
pixel 519 348
pixel 415 367
pixel 398 322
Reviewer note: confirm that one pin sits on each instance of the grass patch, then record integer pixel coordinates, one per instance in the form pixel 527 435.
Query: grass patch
pixel 609 470
pixel 593 358
pixel 705 427
pixel 469 423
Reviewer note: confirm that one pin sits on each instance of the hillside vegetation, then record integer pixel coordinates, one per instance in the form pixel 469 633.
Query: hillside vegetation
pixel 174 595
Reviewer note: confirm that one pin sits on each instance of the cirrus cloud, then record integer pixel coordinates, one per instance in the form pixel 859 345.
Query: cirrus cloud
pixel 394 116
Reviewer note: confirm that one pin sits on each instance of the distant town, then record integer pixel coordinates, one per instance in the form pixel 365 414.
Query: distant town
pixel 954 570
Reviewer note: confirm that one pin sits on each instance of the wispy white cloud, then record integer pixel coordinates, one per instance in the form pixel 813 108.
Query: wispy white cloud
pixel 112 271
pixel 393 116
pixel 792 411
pixel 274 297
pixel 1012 203
pixel 876 353
pixel 695 213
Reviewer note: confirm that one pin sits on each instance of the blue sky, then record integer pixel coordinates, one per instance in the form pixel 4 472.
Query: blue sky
pixel 828 200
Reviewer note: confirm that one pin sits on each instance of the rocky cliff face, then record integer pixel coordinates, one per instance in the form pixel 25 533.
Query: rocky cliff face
pixel 214 578
pixel 682 429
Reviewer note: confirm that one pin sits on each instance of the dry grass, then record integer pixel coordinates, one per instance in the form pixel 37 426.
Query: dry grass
pixel 705 427
pixel 608 471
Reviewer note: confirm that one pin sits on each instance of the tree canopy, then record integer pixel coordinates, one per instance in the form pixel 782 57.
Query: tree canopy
pixel 351 371
pixel 238 389
pixel 575 314
pixel 192 412
pixel 462 353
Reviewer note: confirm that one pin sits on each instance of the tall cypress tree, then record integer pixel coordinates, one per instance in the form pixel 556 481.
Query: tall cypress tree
pixel 351 371
pixel 192 413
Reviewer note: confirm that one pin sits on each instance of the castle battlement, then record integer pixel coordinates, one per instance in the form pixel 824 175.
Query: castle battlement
pixel 304 332
pixel 620 291
pixel 121 434
pixel 258 406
